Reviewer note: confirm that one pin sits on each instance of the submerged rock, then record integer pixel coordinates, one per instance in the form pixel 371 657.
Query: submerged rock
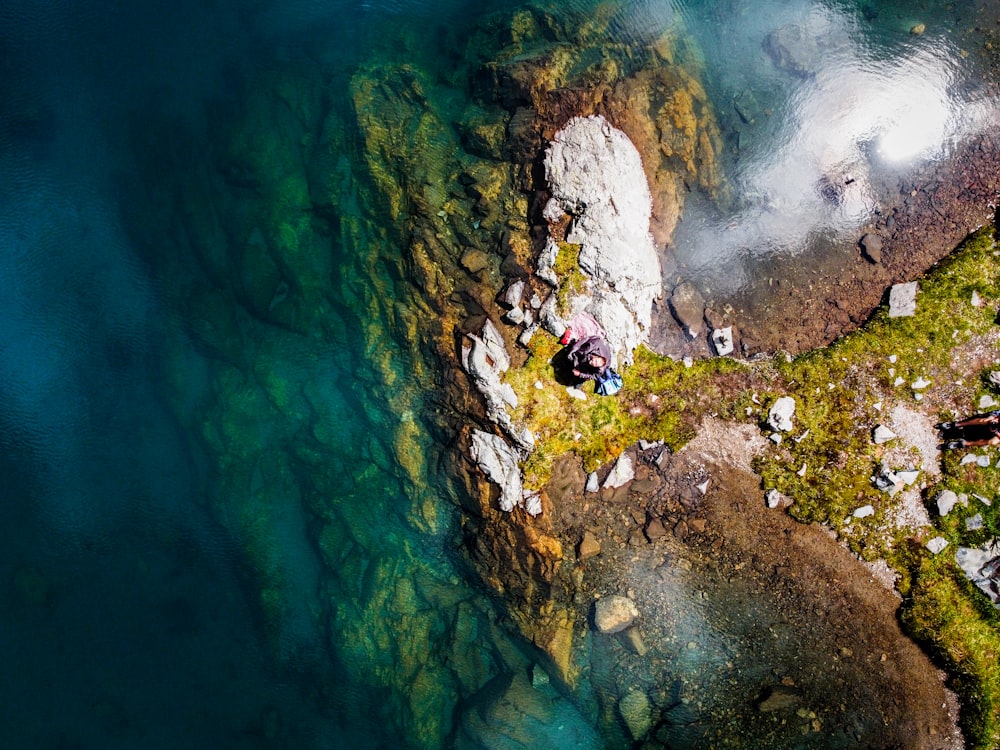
pixel 636 712
pixel 612 614
pixel 777 698
pixel 688 307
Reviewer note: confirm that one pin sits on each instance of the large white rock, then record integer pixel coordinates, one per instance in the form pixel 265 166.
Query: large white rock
pixel 595 174
pixel 499 462
pixel 780 416
pixel 612 614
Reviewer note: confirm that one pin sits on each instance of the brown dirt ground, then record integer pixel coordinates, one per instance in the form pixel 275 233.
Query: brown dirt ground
pixel 737 600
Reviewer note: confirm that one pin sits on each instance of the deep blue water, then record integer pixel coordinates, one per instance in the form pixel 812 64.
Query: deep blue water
pixel 207 540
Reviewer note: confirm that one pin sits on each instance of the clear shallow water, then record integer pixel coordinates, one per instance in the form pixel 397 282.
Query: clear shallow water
pixel 827 108
pixel 209 538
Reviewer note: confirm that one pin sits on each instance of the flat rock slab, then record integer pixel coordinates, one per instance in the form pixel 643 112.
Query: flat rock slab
pixel 903 300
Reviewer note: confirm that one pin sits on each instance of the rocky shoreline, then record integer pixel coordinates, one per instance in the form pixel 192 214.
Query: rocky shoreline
pixel 833 628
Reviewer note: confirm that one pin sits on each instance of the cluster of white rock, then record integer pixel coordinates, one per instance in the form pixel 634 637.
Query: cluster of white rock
pixel 596 177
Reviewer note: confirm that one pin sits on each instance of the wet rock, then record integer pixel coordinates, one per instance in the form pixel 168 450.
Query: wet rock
pixel 794 50
pixel 903 300
pixel 688 307
pixel 588 547
pixel 777 698
pixel 636 712
pixel 871 247
pixel 779 417
pixel 612 614
pixel 918 29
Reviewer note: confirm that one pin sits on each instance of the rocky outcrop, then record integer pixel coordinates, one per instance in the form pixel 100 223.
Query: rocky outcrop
pixel 596 178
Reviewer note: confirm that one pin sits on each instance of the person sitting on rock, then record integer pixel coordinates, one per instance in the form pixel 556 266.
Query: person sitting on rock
pixel 589 357
pixel 975 431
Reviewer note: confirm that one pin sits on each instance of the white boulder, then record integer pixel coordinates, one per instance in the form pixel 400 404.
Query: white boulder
pixel 779 418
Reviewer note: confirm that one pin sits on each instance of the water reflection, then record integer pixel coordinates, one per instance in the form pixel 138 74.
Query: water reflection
pixel 824 112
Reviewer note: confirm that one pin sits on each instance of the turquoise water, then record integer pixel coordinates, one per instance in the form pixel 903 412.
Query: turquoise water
pixel 231 514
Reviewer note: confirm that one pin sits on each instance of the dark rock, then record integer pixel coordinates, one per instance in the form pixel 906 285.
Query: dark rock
pixel 778 697
pixel 871 247
pixel 645 486
pixel 688 307
pixel 636 538
pixel 794 50
pixel 681 530
pixel 474 261
pixel 510 266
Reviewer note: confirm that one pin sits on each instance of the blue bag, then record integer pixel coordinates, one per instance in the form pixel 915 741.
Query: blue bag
pixel 609 383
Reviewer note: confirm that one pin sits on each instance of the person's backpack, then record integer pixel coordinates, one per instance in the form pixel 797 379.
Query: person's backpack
pixel 609 383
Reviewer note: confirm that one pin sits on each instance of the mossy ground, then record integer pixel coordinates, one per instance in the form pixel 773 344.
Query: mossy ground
pixel 841 392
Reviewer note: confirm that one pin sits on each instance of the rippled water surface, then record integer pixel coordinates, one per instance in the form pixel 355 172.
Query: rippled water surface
pixel 226 523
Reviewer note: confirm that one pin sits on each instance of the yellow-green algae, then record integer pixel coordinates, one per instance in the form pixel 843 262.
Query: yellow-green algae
pixel 836 389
